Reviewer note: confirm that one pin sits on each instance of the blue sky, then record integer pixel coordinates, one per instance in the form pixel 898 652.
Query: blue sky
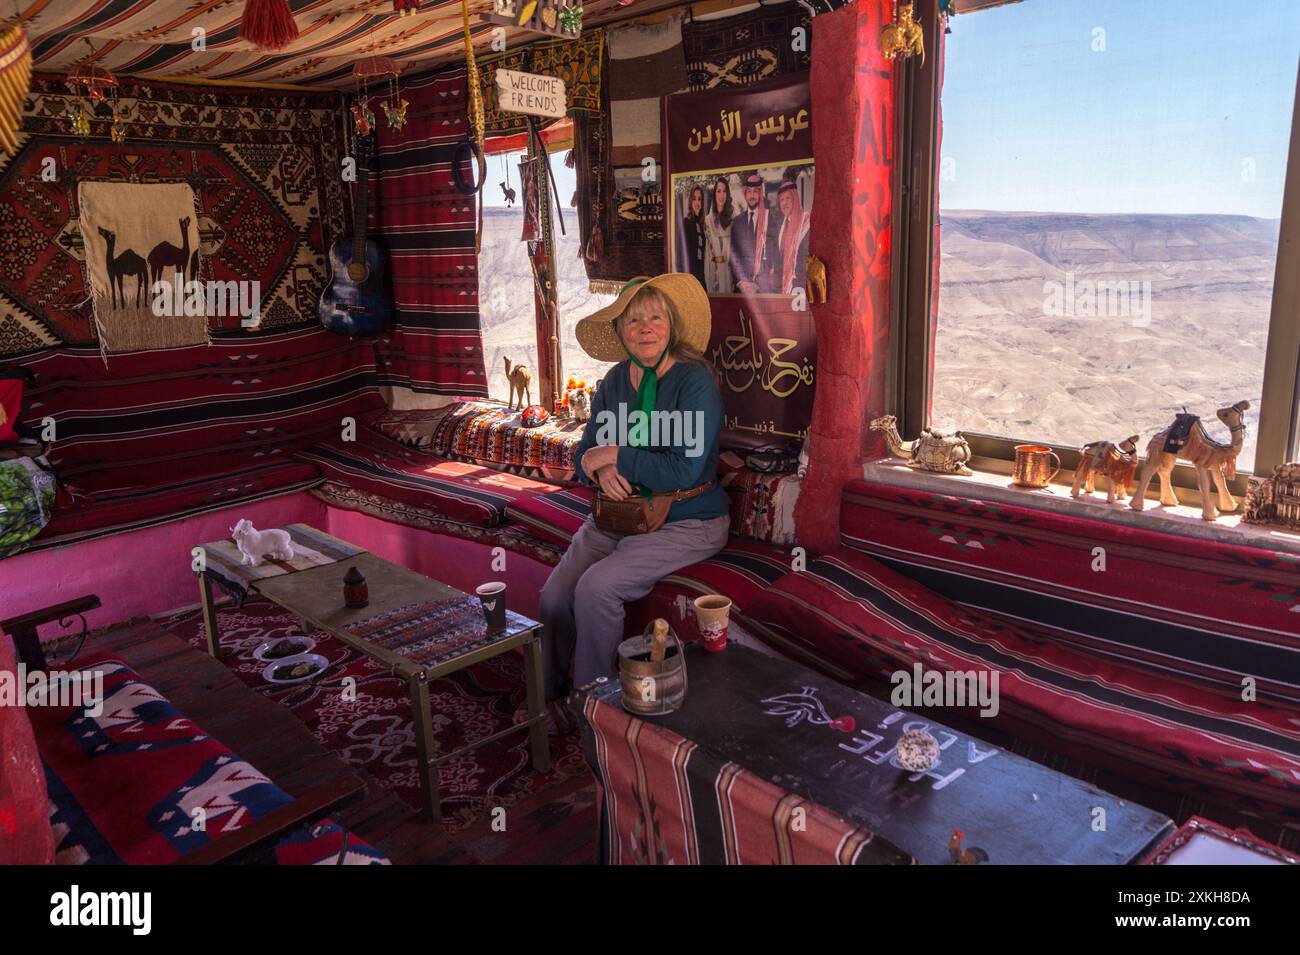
pixel 1187 95
pixel 565 181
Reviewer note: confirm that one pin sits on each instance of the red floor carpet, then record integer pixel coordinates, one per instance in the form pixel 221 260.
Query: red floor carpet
pixel 374 732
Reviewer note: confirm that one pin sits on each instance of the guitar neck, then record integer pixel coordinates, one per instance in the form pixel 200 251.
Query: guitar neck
pixel 361 210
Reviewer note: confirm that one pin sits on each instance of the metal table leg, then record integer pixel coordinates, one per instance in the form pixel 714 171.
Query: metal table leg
pixel 540 746
pixel 424 748
pixel 209 614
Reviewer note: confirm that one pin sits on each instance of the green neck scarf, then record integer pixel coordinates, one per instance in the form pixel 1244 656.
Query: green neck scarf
pixel 647 393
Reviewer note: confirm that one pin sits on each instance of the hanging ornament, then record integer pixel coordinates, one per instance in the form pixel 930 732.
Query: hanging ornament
pixel 406 8
pixel 268 24
pixel 381 69
pixel 15 80
pixel 90 85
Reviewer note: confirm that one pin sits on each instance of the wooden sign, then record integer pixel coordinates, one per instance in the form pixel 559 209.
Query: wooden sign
pixel 531 93
pixel 553 17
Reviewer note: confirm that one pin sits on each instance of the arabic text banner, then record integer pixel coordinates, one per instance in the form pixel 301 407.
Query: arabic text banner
pixel 764 360
pixel 740 196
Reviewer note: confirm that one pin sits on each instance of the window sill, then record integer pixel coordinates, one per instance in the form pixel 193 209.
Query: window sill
pixel 988 486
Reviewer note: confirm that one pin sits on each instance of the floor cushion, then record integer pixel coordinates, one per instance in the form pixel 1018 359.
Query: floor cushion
pixel 124 783
pixel 857 617
pixel 114 509
pixel 460 491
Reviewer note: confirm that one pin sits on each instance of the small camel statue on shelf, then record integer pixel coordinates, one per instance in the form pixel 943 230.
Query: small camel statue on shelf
pixel 521 383
pixel 1116 462
pixel 1187 439
pixel 931 451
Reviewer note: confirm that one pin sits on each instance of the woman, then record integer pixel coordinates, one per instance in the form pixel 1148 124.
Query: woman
pixel 717 240
pixel 693 234
pixel 656 330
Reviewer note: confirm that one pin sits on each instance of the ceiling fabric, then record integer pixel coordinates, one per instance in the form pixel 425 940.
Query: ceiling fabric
pixel 156 38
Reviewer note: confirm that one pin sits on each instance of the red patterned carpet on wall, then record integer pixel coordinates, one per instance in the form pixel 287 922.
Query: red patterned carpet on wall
pixel 374 732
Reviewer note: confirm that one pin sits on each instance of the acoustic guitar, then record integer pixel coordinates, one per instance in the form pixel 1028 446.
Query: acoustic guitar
pixel 356 302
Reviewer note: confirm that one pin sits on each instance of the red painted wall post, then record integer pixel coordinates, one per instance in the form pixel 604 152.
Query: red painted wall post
pixel 853 109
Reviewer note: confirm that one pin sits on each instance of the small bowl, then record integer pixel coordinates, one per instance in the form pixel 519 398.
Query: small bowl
pixel 289 663
pixel 305 645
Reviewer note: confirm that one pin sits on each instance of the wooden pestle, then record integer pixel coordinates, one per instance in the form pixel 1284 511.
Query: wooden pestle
pixel 660 647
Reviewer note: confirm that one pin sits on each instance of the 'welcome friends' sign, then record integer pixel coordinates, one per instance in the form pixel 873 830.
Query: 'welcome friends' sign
pixel 531 93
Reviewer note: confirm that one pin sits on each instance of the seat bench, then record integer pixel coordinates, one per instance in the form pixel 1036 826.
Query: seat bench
pixel 855 619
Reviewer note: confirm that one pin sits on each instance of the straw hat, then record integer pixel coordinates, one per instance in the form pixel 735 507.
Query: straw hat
pixel 599 339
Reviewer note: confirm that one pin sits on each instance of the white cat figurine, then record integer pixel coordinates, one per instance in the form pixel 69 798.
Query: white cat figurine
pixel 254 544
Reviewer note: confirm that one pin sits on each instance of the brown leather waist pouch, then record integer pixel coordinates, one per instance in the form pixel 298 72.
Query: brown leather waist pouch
pixel 636 514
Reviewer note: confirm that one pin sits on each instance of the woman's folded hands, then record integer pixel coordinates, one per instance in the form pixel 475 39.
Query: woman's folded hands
pixel 601 465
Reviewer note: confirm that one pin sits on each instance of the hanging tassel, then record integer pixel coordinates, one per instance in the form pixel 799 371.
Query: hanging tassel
pixel 15 80
pixel 406 7
pixel 570 160
pixel 268 24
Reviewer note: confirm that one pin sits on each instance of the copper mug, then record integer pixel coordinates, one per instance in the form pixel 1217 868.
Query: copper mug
pixel 1032 468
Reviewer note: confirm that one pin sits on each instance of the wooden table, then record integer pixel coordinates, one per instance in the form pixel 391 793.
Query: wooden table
pixel 315 596
pixel 809 738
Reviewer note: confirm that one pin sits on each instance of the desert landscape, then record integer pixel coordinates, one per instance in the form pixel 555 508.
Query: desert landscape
pixel 506 300
pixel 1006 365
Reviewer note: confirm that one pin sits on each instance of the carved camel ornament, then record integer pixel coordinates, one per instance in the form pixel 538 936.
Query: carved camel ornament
pixel 1116 462
pixel 520 383
pixel 1212 460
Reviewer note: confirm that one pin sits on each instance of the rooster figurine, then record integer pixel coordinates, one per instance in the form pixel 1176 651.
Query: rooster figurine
pixel 972 856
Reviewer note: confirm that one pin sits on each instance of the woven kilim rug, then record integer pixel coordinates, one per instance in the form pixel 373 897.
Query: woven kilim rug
pixel 374 733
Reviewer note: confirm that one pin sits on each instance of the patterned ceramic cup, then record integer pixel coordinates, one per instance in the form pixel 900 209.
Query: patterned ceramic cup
pixel 492 596
pixel 713 613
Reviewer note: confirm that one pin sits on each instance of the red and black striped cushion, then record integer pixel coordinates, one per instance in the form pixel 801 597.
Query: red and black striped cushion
pixel 1203 612
pixel 853 617
pixel 742 571
pixel 114 510
pixel 145 417
pixel 554 517
pixel 459 491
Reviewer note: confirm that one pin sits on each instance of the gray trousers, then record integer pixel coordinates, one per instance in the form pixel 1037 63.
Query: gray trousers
pixel 582 601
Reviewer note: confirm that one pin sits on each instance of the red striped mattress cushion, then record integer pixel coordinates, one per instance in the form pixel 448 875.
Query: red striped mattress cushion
pixel 853 617
pixel 459 491
pixel 555 516
pixel 199 410
pixel 111 510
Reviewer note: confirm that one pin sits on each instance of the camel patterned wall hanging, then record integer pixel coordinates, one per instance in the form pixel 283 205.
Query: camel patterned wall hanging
pixel 264 167
pixel 140 240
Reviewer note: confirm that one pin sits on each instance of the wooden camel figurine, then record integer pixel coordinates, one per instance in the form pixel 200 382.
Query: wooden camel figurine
pixel 1213 461
pixel 520 383
pixel 1116 462
pixel 120 266
pixel 167 256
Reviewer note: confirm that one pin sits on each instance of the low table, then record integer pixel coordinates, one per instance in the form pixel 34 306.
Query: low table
pixel 418 627
pixel 768 761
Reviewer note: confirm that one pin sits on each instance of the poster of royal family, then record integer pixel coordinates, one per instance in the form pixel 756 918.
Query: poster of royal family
pixel 740 190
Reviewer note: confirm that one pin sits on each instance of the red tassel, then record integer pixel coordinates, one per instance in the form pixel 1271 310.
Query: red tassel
pixel 268 24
